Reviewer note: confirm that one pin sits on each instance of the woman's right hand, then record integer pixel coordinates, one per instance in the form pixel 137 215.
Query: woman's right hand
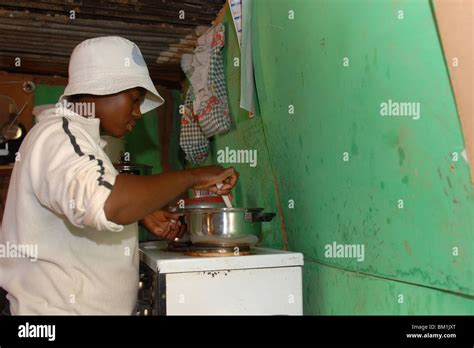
pixel 207 178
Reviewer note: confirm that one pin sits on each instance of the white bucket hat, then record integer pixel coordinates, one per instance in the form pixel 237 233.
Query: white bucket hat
pixel 108 65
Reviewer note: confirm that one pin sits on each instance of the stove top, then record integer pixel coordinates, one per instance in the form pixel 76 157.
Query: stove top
pixel 208 250
pixel 161 257
pixel 204 251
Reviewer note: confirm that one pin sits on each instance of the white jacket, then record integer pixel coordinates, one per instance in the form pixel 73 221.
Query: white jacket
pixel 85 263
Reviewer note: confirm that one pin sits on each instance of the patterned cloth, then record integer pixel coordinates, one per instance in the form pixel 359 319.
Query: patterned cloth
pixel 206 107
pixel 193 142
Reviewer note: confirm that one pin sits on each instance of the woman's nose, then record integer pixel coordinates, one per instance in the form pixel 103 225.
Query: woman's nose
pixel 137 114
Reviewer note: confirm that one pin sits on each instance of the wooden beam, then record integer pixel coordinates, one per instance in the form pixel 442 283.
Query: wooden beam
pixel 37 79
pixel 50 47
pixel 36 39
pixel 71 31
pixel 94 24
pixel 85 12
pixel 198 9
pixel 170 75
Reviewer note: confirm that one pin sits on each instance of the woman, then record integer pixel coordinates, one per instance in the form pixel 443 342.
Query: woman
pixel 67 202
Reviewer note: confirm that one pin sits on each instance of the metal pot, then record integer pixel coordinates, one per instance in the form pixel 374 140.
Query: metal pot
pixel 194 203
pixel 226 227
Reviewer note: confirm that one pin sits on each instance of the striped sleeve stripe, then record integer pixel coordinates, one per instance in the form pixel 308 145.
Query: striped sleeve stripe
pixel 77 150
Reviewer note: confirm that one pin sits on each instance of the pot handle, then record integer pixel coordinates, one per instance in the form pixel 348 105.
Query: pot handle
pixel 259 216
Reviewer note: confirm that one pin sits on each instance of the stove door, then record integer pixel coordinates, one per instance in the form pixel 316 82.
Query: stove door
pixel 263 291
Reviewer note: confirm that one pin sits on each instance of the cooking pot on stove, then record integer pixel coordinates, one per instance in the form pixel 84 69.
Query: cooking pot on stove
pixel 195 203
pixel 225 226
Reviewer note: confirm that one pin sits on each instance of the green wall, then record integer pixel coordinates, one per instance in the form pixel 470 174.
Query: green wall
pixel 299 62
pixel 143 142
pixel 333 291
pixel 46 94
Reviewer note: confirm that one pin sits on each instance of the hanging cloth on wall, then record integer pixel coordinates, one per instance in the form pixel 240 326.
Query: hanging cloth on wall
pixel 247 79
pixel 207 111
pixel 241 16
pixel 192 140
pixel 236 11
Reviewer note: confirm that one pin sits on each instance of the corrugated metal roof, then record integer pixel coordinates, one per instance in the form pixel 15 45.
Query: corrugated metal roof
pixel 43 33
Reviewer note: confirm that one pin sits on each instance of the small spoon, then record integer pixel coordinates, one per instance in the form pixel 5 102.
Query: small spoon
pixel 225 197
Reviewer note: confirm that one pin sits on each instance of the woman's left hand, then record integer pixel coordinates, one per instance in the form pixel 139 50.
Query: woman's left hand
pixel 164 224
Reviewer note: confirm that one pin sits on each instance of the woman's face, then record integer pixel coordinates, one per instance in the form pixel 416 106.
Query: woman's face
pixel 117 112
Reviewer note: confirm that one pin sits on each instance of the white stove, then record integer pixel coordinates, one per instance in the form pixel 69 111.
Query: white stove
pixel 256 282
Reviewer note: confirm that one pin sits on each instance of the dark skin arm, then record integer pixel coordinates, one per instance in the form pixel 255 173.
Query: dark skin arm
pixel 134 197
